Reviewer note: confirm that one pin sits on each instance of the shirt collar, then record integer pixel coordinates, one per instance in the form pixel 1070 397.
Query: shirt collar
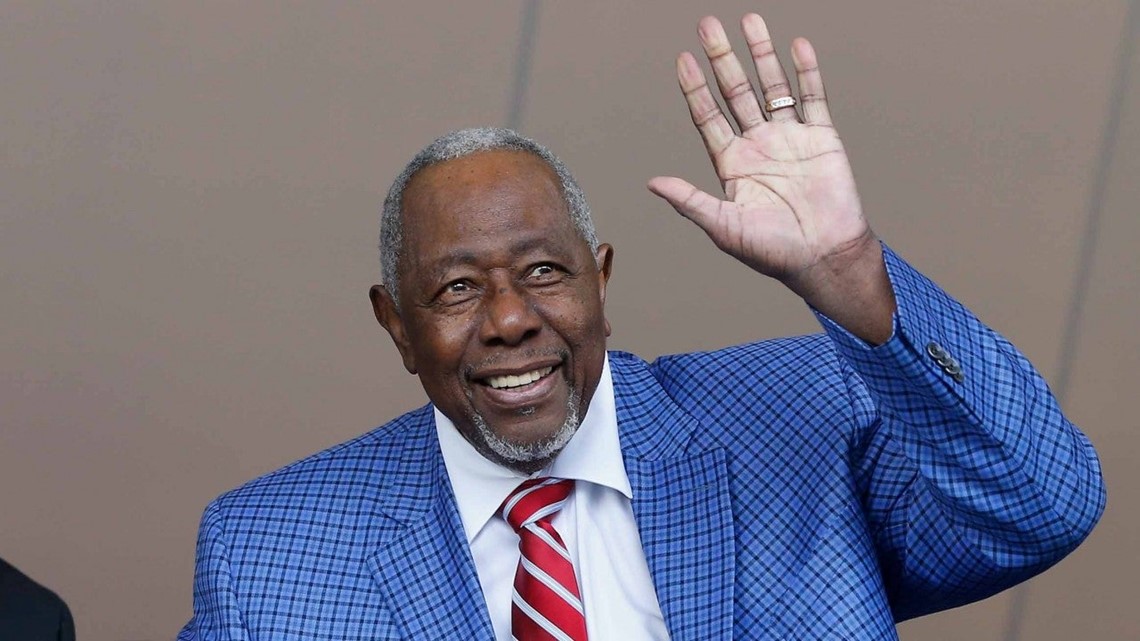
pixel 593 455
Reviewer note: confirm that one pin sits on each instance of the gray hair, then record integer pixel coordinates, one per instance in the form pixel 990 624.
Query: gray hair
pixel 459 144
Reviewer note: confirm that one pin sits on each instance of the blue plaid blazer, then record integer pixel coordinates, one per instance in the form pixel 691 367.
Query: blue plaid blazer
pixel 803 488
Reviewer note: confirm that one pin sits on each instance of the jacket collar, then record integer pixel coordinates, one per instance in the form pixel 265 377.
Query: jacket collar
pixel 681 502
pixel 423 565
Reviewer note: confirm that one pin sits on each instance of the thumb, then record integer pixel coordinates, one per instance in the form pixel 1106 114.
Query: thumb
pixel 698 206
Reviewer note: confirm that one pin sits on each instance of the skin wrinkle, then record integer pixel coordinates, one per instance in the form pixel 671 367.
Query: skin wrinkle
pixel 453 146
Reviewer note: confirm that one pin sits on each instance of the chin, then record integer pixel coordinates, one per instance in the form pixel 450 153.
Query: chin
pixel 526 455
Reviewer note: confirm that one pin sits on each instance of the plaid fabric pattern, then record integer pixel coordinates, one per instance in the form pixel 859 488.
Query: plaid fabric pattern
pixel 802 488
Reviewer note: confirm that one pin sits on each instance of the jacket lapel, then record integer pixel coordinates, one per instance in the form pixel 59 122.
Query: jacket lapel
pixel 423 564
pixel 681 502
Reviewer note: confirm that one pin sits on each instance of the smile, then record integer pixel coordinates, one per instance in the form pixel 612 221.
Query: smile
pixel 511 381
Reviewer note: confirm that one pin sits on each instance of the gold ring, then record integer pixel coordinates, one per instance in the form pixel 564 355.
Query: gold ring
pixel 780 103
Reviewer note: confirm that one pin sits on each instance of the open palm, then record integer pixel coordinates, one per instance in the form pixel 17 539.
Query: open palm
pixel 790 198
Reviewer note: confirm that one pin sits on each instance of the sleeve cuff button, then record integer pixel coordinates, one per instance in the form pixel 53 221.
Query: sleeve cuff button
pixel 947 362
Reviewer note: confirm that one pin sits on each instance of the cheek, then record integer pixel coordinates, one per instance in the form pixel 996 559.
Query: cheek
pixel 440 363
pixel 583 327
pixel 441 348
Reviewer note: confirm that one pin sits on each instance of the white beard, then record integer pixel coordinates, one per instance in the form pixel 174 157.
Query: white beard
pixel 538 451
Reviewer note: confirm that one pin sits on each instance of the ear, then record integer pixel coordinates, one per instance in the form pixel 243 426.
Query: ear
pixel 389 318
pixel 605 261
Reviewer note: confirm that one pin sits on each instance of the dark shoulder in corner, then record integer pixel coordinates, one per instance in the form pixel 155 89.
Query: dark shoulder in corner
pixel 29 610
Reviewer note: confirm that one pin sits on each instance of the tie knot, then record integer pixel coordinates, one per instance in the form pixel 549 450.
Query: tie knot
pixel 535 500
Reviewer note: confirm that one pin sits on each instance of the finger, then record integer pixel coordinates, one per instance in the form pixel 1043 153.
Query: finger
pixel 698 206
pixel 730 76
pixel 706 113
pixel 813 99
pixel 773 81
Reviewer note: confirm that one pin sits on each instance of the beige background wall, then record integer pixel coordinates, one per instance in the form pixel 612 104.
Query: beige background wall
pixel 188 207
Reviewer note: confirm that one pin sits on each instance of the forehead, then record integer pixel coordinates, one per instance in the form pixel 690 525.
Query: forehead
pixel 500 194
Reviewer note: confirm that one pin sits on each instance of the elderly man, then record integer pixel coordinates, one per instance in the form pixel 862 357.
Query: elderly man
pixel 906 460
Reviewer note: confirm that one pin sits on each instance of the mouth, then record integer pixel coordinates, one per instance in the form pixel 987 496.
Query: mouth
pixel 510 381
pixel 521 389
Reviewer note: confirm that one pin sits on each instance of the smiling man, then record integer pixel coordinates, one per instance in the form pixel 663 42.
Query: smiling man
pixel 500 296
pixel 907 459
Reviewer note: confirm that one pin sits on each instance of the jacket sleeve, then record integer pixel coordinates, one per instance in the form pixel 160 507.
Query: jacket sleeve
pixel 216 613
pixel 971 478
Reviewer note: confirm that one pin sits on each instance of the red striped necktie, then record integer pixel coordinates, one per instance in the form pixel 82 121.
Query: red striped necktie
pixel 546 603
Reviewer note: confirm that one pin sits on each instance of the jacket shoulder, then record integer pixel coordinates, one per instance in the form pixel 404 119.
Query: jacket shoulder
pixel 322 480
pixel 30 610
pixel 764 383
pixel 765 369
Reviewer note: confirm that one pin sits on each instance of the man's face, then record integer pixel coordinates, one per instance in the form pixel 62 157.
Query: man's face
pixel 501 304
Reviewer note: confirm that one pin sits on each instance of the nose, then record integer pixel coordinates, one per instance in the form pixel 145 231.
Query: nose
pixel 509 318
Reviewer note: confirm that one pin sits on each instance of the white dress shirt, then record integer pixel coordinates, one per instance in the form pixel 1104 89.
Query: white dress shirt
pixel 596 523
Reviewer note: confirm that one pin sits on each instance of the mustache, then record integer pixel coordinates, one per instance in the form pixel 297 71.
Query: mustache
pixel 562 354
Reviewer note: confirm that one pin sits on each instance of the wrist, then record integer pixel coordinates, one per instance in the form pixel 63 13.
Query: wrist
pixel 851 287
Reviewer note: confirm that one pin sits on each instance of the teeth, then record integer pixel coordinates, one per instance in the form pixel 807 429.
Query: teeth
pixel 500 382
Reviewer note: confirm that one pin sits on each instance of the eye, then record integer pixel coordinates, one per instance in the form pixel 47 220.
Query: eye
pixel 545 277
pixel 542 270
pixel 545 273
pixel 457 291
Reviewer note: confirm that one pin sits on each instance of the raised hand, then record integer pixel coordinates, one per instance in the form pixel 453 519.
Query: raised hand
pixel 791 210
